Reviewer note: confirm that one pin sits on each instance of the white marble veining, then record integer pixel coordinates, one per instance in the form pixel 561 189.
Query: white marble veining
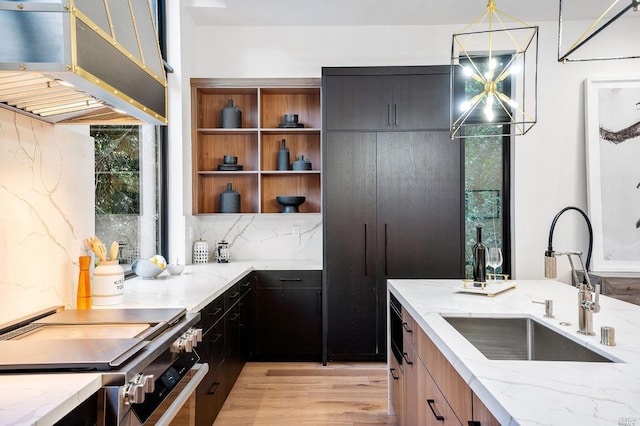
pixel 260 236
pixel 43 399
pixel 32 399
pixel 536 392
pixel 47 199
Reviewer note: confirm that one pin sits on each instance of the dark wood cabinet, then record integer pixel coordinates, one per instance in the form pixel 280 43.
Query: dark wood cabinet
pixel 393 204
pixel 410 98
pixel 288 315
pixel 226 344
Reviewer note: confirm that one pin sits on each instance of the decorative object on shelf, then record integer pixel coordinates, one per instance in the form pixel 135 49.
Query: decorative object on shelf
pixel 494 76
pixel 83 296
pixel 230 159
pixel 283 156
pixel 231 116
pixel 108 283
pixel 479 258
pixel 301 164
pixel 200 251
pixel 222 252
pixel 290 203
pixel 572 11
pixel 230 200
pixel 290 121
pixel 229 164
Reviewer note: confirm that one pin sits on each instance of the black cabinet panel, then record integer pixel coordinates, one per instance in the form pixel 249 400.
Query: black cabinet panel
pixel 393 196
pixel 350 242
pixel 419 205
pixel 289 315
pixel 402 98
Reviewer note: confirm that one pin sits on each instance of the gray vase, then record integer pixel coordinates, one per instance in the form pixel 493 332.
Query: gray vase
pixel 230 201
pixel 231 116
pixel 283 156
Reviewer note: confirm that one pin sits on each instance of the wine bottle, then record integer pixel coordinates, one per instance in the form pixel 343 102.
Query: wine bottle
pixel 479 259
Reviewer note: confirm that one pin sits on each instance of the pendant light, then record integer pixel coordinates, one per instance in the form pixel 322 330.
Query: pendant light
pixel 494 66
pixel 618 41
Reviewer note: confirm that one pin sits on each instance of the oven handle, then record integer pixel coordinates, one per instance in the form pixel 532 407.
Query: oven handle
pixel 200 371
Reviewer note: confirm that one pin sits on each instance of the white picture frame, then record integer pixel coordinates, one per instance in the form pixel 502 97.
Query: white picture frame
pixel 612 130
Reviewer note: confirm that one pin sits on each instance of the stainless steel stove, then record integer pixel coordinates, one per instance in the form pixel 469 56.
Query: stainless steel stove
pixel 144 355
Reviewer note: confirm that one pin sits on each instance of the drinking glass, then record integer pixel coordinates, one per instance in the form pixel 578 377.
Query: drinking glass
pixel 494 260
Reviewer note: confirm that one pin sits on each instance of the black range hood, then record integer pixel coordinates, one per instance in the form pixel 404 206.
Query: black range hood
pixel 82 61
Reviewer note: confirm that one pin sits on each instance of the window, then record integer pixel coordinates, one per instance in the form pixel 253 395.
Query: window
pixel 127 205
pixel 487 171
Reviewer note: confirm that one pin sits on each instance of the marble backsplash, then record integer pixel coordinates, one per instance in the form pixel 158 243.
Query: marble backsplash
pixel 264 237
pixel 47 199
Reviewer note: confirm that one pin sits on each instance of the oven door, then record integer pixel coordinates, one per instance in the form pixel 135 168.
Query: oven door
pixel 180 405
pixel 173 396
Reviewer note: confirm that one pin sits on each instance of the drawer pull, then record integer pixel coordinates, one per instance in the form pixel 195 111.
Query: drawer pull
pixel 406 358
pixel 215 340
pixel 234 317
pixel 438 417
pixel 406 327
pixel 290 279
pixel 214 387
pixel 394 374
pixel 214 313
pixel 233 296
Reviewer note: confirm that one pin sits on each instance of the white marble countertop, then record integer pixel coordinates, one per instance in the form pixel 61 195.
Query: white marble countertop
pixel 536 392
pixel 43 399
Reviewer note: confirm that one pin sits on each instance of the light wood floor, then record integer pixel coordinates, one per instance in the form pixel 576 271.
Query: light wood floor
pixel 308 394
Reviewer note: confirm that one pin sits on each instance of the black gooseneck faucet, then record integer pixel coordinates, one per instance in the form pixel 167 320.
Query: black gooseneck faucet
pixel 549 255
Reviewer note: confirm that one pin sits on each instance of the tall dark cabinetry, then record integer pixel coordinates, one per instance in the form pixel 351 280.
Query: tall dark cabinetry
pixel 392 206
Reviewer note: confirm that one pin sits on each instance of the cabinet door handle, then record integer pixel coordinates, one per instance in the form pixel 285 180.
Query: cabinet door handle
pixel 386 265
pixel 406 327
pixel 395 114
pixel 406 358
pixel 366 267
pixel 319 300
pixel 290 279
pixel 214 387
pixel 234 317
pixel 438 417
pixel 394 375
pixel 388 114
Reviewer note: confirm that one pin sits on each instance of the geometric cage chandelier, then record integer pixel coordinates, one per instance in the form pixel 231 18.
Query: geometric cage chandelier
pixel 494 83
pixel 619 41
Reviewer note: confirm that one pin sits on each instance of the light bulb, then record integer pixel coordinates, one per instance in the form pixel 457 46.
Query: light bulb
pixel 464 106
pixel 467 71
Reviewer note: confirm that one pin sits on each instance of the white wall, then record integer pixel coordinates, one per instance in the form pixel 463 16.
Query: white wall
pixel 549 162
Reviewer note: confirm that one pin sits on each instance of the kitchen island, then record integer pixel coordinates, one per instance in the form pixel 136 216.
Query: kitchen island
pixel 43 399
pixel 535 392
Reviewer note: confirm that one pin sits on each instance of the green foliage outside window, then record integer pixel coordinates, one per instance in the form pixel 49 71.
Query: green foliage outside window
pixel 117 169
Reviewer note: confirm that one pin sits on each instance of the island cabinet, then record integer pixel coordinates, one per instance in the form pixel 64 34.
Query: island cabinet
pixel 433 392
pixel 393 202
pixel 262 104
pixel 619 285
pixel 288 315
pixel 227 326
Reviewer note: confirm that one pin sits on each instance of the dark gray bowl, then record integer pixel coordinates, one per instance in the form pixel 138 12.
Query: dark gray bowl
pixel 291 118
pixel 290 203
pixel 230 159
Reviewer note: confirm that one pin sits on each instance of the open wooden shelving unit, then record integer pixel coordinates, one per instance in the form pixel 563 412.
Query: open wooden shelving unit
pixel 263 103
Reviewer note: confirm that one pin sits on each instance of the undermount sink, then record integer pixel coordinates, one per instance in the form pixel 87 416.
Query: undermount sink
pixel 521 339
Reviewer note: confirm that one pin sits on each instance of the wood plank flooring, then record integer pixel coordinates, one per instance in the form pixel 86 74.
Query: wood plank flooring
pixel 285 393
